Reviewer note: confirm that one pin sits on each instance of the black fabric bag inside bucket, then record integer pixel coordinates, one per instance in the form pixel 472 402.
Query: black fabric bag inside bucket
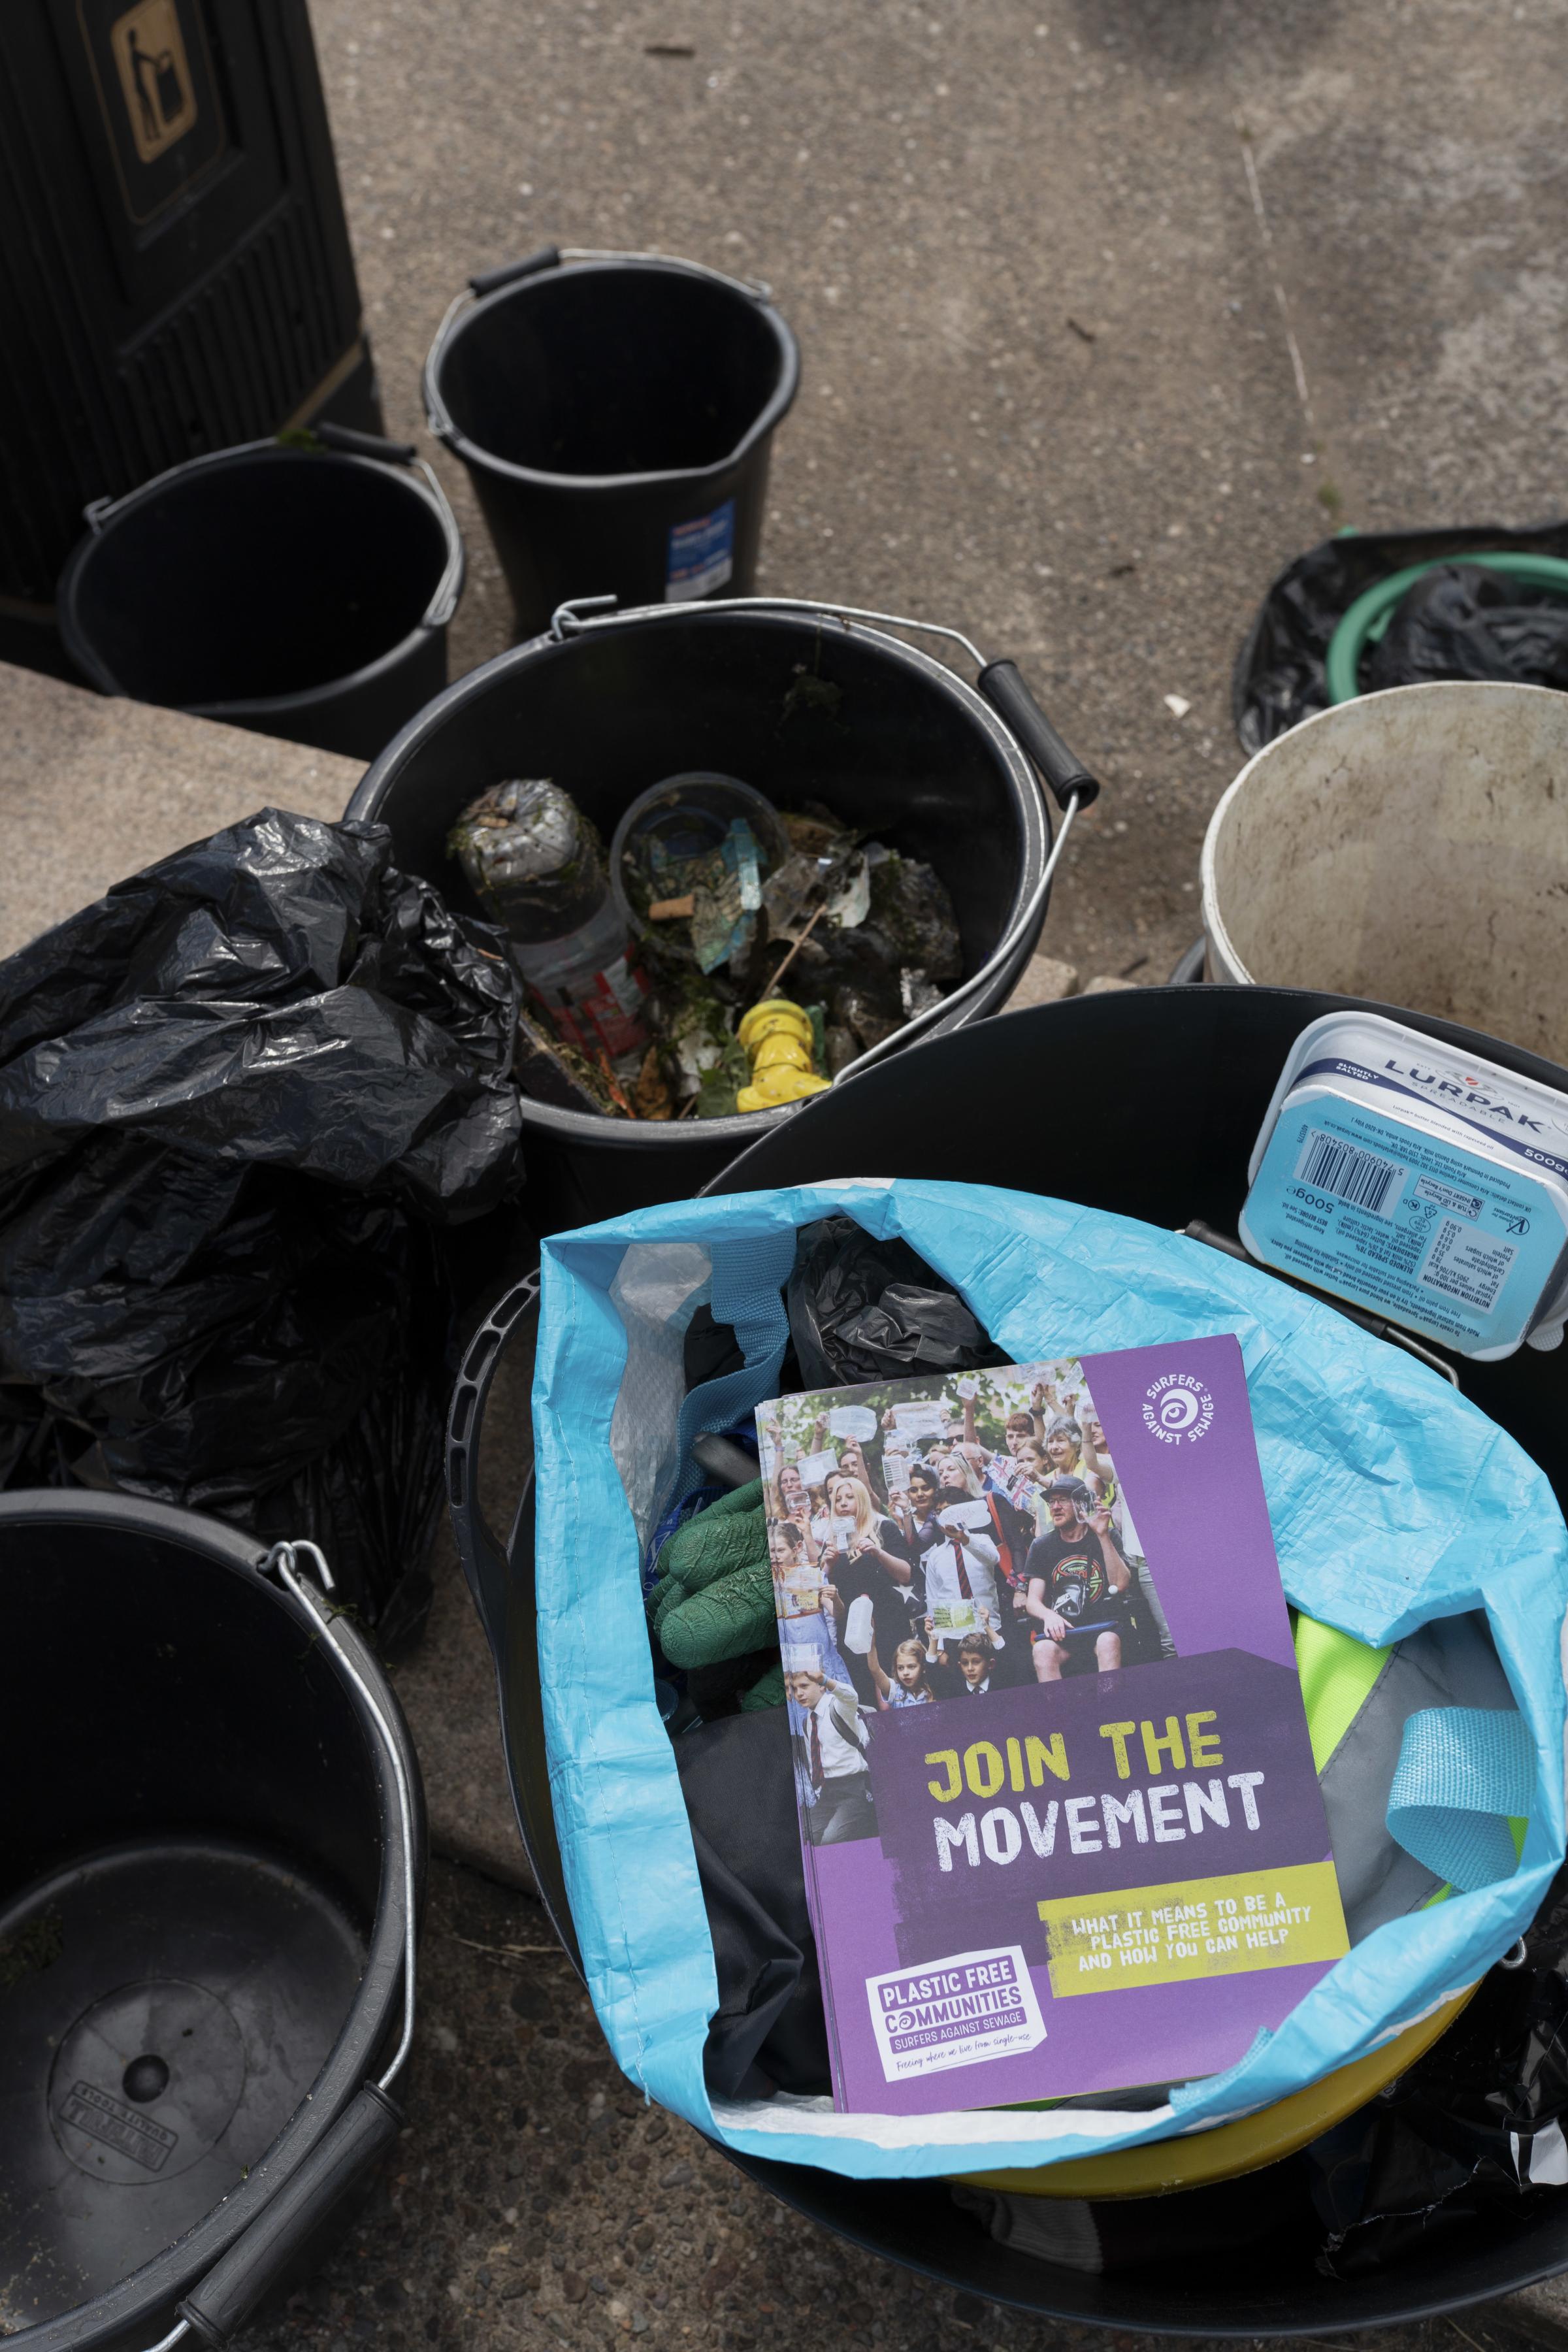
pixel 769 2033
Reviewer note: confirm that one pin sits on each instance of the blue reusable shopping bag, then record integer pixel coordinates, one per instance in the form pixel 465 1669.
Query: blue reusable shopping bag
pixel 1444 1516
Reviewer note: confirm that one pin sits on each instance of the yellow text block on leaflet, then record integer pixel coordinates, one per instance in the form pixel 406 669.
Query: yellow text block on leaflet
pixel 1196 1927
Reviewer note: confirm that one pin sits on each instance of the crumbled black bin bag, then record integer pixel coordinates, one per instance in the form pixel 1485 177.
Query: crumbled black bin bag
pixel 1474 2127
pixel 860 1310
pixel 1279 676
pixel 243 1099
pixel 1463 621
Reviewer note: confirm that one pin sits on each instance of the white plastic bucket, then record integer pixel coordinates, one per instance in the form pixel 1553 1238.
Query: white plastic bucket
pixel 1409 846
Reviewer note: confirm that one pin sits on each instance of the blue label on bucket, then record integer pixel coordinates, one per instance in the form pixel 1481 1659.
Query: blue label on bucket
pixel 701 555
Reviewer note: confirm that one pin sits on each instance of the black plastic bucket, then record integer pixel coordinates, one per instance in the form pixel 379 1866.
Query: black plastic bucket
pixel 1184 1077
pixel 616 412
pixel 304 592
pixel 890 740
pixel 211 1867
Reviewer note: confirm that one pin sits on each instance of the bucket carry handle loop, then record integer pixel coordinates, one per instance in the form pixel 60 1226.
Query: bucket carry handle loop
pixel 507 273
pixel 282 1561
pixel 354 444
pixel 96 511
pixel 1002 684
pixel 480 1552
pixel 214 2312
pixel 550 256
pixel 1198 1230
pixel 1464 1772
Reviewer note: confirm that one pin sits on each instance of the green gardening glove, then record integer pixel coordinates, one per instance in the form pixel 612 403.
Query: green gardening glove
pixel 714 1597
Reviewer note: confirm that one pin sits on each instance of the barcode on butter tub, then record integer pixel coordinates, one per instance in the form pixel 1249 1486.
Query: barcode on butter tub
pixel 1364 1179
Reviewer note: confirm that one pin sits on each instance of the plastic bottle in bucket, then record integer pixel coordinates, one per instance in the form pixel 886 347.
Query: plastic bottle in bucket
pixel 534 861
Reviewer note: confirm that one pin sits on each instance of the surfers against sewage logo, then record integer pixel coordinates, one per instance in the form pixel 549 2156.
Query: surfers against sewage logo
pixel 1178 1409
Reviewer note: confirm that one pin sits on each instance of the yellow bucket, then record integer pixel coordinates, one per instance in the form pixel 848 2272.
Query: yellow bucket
pixel 1159 2167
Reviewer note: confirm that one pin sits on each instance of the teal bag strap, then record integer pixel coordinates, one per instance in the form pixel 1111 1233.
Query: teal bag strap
pixel 748 1277
pixel 1463 1773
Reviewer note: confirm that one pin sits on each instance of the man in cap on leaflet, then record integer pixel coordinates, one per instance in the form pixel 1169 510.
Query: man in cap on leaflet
pixel 1077 1580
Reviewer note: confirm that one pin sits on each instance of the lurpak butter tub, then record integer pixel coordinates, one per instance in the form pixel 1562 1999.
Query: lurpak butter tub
pixel 1430 1188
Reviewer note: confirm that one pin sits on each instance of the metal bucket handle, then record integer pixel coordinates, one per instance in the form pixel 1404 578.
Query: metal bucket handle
pixel 348 443
pixel 502 1595
pixel 1003 685
pixel 215 2311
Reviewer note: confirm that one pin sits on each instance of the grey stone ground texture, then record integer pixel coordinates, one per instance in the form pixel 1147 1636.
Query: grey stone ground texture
pixel 1109 308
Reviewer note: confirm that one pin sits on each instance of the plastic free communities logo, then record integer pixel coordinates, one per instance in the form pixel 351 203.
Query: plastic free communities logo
pixel 1178 1409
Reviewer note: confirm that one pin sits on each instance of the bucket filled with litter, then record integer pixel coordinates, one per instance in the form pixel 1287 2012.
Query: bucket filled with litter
pixel 301 587
pixel 207 1912
pixel 1408 845
pixel 738 851
pixel 1325 2213
pixel 616 412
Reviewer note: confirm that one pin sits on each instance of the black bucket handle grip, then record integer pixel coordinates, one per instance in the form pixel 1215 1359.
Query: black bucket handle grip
pixel 507 273
pixel 1003 684
pixel 217 2310
pixel 482 1555
pixel 354 444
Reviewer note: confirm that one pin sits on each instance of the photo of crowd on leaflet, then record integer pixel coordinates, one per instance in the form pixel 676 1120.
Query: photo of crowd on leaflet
pixel 935 1541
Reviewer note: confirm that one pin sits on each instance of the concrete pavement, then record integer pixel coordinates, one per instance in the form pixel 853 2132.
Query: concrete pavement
pixel 1108 307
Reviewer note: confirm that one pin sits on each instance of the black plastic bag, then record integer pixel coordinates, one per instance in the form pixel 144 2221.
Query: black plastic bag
pixel 239 1098
pixel 1278 675
pixel 860 1310
pixel 1463 621
pixel 1474 2127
